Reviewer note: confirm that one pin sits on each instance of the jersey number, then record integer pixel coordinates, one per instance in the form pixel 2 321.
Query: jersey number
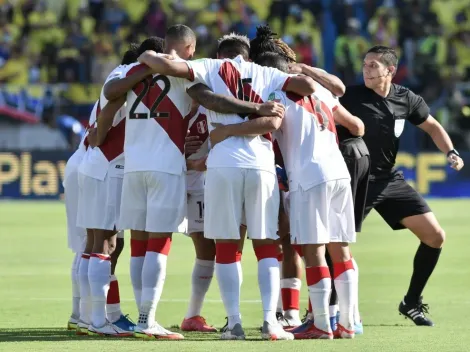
pixel 147 86
pixel 321 112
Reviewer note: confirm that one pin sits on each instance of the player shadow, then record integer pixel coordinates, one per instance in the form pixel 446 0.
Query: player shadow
pixel 44 334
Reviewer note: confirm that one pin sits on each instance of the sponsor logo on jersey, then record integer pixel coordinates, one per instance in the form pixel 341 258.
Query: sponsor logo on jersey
pixel 120 167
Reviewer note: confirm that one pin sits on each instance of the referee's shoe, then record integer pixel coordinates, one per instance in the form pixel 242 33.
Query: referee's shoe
pixel 416 312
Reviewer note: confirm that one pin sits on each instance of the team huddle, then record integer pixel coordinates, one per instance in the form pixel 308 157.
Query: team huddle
pixel 194 147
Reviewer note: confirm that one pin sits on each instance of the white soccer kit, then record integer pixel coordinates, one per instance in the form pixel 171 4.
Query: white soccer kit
pixel 76 235
pixel 321 206
pixel 195 179
pixel 101 172
pixel 241 174
pixel 154 188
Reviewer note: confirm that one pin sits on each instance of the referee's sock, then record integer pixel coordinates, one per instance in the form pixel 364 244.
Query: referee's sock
pixel 424 263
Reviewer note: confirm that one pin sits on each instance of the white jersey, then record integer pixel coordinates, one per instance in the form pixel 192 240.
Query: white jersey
pixel 198 127
pixel 245 81
pixel 307 139
pixel 157 125
pixel 109 156
pixel 77 157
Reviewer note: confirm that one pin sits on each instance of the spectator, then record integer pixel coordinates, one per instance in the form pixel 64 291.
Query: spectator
pixel 305 50
pixel 15 70
pixel 96 8
pixel 68 62
pixel 114 16
pixel 156 20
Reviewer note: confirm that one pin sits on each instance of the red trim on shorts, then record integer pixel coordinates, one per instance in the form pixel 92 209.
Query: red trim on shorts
pixel 227 253
pixel 85 256
pixel 100 256
pixel 280 257
pixel 317 273
pixel 113 293
pixel 266 251
pixel 339 268
pixel 298 249
pixel 290 298
pixel 284 86
pixel 138 248
pixel 159 245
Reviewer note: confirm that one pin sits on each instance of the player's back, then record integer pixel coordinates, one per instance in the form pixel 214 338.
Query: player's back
pixel 307 139
pixel 156 123
pixel 198 127
pixel 245 81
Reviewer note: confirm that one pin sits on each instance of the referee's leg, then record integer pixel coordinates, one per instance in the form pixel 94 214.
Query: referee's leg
pixel 403 207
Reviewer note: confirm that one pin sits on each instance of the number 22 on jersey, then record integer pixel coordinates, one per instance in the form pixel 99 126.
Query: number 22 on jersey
pixel 152 96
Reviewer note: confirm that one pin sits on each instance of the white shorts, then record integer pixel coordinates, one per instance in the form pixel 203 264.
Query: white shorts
pixel 76 236
pixel 99 202
pixel 229 192
pixel 195 211
pixel 153 201
pixel 323 214
pixel 285 199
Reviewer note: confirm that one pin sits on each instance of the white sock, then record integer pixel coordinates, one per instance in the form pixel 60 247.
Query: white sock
pixel 99 274
pixel 344 284
pixel 201 278
pixel 269 284
pixel 229 277
pixel 333 310
pixel 319 290
pixel 75 286
pixel 279 308
pixel 85 298
pixel 357 315
pixel 138 250
pixel 113 301
pixel 153 280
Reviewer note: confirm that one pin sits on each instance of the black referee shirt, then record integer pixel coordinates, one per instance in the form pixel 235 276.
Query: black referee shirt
pixel 384 120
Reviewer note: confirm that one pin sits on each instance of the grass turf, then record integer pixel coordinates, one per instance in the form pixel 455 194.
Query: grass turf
pixel 36 295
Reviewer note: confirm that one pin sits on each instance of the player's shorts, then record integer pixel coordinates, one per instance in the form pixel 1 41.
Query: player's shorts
pixel 76 236
pixel 322 214
pixel 285 199
pixel 195 211
pixel 99 202
pixel 229 192
pixel 394 199
pixel 356 156
pixel 153 201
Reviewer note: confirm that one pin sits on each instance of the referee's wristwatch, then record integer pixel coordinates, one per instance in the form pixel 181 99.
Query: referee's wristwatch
pixel 453 151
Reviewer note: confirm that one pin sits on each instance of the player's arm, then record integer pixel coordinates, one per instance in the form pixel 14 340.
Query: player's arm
pixel 117 87
pixel 442 140
pixel 329 81
pixel 301 85
pixel 225 104
pixel 354 124
pixel 166 67
pixel 106 117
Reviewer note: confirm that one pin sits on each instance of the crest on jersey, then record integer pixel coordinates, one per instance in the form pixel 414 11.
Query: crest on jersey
pixel 272 97
pixel 399 127
pixel 202 126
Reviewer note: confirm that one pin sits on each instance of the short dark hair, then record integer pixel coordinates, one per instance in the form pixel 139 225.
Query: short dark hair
pixel 232 45
pixel 275 60
pixel 152 43
pixel 131 55
pixel 388 56
pixel 179 32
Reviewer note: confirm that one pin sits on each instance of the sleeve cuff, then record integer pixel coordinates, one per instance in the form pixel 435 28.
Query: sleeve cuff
pixel 284 87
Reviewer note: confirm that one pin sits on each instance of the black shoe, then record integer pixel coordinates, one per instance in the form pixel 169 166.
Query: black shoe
pixel 416 312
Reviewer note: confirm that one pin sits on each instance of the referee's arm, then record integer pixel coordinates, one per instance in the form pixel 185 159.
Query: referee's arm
pixel 419 115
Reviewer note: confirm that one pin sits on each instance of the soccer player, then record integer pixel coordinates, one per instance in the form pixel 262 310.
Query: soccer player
pixel 241 177
pixel 100 181
pixel 319 185
pixel 154 188
pixel 384 107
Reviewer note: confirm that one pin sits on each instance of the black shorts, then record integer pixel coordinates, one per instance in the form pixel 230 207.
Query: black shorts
pixel 356 156
pixel 394 200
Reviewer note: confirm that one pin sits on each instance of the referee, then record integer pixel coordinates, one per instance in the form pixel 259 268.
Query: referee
pixel 384 107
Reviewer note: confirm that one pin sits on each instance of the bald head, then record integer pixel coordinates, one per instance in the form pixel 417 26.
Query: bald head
pixel 182 39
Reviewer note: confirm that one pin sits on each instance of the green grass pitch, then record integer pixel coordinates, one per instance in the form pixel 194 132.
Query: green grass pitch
pixel 35 291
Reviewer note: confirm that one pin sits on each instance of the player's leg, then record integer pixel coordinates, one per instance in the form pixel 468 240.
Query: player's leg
pixel 85 296
pixel 139 241
pixel 334 308
pixel 223 198
pixel 261 194
pixel 405 208
pixel 166 212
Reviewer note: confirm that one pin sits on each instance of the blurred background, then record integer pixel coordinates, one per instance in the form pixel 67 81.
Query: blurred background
pixel 56 54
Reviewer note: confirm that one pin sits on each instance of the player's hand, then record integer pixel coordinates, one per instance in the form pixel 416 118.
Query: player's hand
pixel 271 108
pixel 455 161
pixel 197 165
pixel 192 144
pixel 93 137
pixel 295 68
pixel 146 55
pixel 218 134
